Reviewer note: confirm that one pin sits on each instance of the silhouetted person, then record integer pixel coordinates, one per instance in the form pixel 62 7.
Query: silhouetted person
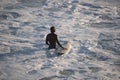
pixel 52 39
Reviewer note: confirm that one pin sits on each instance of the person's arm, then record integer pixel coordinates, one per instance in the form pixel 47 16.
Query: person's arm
pixel 59 43
pixel 47 40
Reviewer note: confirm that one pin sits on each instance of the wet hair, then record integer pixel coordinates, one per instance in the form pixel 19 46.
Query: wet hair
pixel 52 29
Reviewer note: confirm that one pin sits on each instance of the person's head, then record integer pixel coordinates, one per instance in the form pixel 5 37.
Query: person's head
pixel 52 29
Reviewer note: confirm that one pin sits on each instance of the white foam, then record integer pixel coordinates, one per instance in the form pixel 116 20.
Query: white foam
pixel 95 51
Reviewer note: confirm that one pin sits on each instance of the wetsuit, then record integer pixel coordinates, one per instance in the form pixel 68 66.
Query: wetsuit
pixel 51 40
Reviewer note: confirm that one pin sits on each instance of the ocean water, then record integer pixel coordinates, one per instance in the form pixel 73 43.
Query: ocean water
pixel 91 26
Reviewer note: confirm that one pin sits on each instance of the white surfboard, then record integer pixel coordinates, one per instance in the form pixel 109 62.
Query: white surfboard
pixel 67 49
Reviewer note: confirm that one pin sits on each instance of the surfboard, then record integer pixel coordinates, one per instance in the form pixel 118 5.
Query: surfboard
pixel 67 47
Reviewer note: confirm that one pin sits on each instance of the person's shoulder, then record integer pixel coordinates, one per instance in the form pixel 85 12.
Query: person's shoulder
pixel 49 34
pixel 55 35
pixel 52 34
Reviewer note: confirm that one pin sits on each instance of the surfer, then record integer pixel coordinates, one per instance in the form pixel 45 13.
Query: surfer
pixel 52 39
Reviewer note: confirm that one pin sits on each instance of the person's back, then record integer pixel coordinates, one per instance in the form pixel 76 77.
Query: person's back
pixel 52 39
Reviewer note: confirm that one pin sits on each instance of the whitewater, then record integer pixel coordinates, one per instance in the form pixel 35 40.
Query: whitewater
pixel 91 26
